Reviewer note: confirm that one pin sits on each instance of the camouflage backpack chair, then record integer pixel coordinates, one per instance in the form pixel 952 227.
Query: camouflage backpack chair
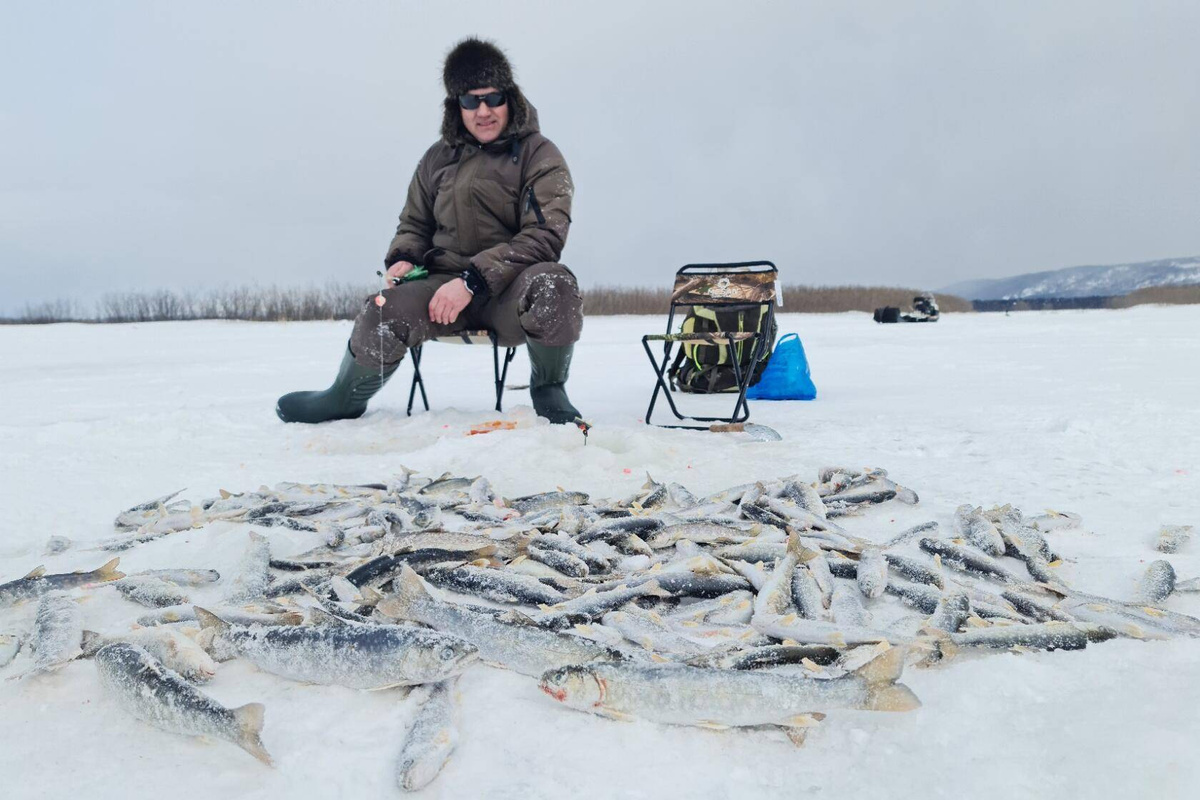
pixel 725 337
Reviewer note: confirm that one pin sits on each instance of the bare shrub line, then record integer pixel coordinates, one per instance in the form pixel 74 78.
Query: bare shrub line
pixel 60 310
pixel 608 300
pixel 340 301
pixel 838 299
pixel 1160 295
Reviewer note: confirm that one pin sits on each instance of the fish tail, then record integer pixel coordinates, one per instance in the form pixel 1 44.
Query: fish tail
pixel 796 548
pixel 883 668
pixel 892 697
pixel 880 675
pixel 654 589
pixel 250 723
pixel 941 646
pixel 207 619
pixel 109 572
pixel 409 589
pixel 370 597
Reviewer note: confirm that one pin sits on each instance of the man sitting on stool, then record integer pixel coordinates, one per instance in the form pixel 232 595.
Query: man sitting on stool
pixel 487 215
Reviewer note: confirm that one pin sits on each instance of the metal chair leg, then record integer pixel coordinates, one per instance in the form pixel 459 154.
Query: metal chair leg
pixel 660 383
pixel 501 374
pixel 744 380
pixel 497 375
pixel 741 407
pixel 417 381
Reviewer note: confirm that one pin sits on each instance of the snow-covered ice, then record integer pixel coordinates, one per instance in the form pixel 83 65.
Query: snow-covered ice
pixel 1093 412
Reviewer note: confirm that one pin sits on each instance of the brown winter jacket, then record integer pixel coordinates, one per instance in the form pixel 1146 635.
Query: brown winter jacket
pixel 499 208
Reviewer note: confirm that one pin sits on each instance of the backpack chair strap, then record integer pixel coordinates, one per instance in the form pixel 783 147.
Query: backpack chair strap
pixel 673 372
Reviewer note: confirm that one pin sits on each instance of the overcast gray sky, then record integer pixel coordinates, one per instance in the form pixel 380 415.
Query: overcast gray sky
pixel 188 145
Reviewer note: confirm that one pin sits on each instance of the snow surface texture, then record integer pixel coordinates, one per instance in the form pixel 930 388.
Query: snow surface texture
pixel 1093 412
pixel 1116 279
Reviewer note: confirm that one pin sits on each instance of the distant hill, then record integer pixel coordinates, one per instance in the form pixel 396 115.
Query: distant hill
pixel 1112 280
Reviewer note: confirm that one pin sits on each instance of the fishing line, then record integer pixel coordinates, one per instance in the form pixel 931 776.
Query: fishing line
pixel 380 301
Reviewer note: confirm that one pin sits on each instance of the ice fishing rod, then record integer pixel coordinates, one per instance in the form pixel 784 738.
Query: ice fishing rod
pixel 413 274
pixel 380 301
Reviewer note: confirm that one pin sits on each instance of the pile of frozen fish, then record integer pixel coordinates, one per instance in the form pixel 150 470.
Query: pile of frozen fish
pixel 751 607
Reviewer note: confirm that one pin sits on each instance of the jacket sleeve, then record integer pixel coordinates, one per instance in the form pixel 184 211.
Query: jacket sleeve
pixel 545 203
pixel 414 234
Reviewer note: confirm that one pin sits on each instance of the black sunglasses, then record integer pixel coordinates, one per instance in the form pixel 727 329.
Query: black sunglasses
pixel 492 99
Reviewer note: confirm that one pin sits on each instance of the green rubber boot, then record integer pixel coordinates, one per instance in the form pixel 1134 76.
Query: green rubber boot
pixel 551 366
pixel 345 399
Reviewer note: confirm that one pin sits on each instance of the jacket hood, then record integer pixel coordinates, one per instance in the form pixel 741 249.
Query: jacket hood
pixel 522 121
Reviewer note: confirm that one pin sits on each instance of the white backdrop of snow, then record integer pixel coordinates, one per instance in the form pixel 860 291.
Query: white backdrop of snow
pixel 1093 412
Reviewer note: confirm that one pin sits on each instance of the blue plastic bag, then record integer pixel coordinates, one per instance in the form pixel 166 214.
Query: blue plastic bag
pixel 786 376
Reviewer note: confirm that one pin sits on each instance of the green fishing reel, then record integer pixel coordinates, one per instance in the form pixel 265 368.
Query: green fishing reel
pixel 414 274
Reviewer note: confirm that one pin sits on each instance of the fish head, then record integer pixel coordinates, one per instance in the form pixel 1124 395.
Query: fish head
pixel 201 671
pixel 577 687
pixel 454 655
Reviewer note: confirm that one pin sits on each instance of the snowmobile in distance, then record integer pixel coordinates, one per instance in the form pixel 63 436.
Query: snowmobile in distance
pixel 924 309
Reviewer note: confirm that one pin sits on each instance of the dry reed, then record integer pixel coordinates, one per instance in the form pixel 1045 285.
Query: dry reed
pixel 343 301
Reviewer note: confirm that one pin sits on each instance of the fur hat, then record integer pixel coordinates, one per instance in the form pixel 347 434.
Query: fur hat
pixel 476 64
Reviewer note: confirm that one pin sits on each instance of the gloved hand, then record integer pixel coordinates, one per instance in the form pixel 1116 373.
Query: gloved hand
pixel 399 270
